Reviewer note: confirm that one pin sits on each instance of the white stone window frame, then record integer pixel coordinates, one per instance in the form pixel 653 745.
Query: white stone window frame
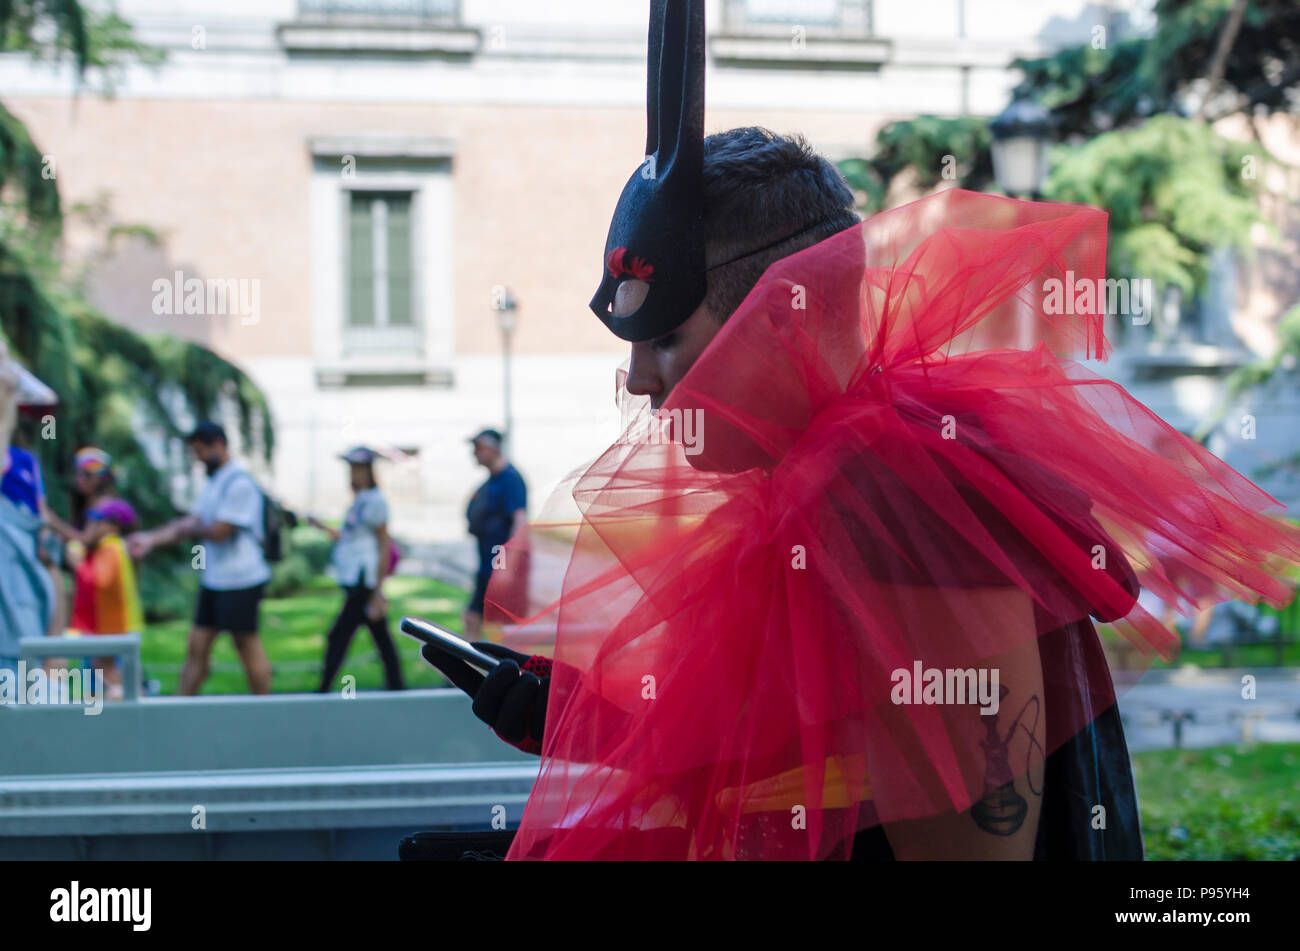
pixel 848 18
pixel 394 28
pixel 422 168
pixel 760 33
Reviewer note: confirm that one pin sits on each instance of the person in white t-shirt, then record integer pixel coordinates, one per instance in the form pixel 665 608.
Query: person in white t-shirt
pixel 227 521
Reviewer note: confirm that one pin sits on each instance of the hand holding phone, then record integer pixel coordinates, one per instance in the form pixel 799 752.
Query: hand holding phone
pixel 508 698
pixel 448 643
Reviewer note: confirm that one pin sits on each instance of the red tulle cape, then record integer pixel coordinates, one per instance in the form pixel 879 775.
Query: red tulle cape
pixel 884 464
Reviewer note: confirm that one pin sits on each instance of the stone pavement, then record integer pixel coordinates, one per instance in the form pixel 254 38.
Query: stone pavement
pixel 1207 708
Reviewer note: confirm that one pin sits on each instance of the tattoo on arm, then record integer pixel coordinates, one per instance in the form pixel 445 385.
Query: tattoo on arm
pixel 1002 810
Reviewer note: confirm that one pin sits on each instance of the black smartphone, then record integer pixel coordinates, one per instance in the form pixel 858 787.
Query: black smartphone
pixel 430 632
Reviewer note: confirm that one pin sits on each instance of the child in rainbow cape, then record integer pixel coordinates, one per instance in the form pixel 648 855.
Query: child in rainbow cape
pixel 107 599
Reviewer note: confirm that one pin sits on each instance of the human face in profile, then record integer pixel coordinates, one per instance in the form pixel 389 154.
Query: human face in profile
pixel 658 365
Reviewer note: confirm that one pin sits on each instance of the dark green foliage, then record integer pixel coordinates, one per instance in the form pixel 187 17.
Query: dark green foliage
pixel 922 145
pixel 1175 192
pixel 167 590
pixel 99 42
pixel 306 558
pixel 1092 90
pixel 1175 189
pixel 22 169
pixel 20 22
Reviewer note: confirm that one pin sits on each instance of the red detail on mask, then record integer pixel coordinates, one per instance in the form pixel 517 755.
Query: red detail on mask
pixel 619 264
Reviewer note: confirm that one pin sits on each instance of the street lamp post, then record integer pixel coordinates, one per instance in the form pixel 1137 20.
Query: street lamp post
pixel 507 319
pixel 1021 136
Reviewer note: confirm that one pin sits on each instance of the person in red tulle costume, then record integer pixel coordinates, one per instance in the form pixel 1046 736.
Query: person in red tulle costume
pixel 873 486
pixel 832 592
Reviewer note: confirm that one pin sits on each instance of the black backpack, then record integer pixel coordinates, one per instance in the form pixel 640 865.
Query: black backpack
pixel 274 522
pixel 275 518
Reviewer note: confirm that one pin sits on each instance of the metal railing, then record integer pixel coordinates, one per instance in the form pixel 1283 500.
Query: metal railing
pixel 126 647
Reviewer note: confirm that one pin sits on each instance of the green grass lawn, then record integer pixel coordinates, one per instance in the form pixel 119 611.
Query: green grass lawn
pixel 293 633
pixel 1223 803
pixel 1254 655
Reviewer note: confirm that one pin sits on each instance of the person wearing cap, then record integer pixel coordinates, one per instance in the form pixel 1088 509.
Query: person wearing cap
pixel 107 600
pixel 227 524
pixel 496 512
pixel 360 560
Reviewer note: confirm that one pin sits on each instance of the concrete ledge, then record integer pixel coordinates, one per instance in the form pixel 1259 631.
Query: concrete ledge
pixel 279 731
pixel 285 776
pixel 264 800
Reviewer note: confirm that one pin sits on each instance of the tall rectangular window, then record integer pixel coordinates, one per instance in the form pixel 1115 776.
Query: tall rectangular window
pixel 380 265
pixel 383 288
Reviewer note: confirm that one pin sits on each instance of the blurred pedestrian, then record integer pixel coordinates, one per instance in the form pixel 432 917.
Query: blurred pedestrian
pixel 228 521
pixel 363 555
pixel 26 589
pixel 496 512
pixel 107 600
pixel 94 481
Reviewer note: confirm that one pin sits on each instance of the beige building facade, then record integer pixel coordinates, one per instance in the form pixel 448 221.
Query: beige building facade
pixel 345 193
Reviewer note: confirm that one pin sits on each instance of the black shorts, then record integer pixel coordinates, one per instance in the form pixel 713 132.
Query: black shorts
pixel 234 611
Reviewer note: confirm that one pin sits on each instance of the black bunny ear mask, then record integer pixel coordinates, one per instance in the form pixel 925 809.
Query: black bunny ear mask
pixel 656 235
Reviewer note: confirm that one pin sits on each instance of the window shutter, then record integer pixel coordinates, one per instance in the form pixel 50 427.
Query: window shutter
pixel 399 261
pixel 361 298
